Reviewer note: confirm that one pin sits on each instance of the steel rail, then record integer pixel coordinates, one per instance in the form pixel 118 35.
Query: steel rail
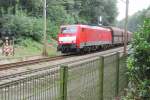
pixel 46 67
pixel 41 69
pixel 30 62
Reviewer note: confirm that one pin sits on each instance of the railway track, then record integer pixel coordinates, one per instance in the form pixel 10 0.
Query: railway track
pixel 40 69
pixel 30 62
pixel 40 60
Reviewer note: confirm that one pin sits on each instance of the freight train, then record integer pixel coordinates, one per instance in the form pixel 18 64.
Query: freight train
pixel 85 38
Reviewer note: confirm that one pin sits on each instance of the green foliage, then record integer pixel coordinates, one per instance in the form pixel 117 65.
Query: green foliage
pixel 92 9
pixel 139 64
pixel 23 26
pixel 29 43
pixel 7 6
pixel 59 16
pixel 33 7
pixel 52 30
pixel 24 17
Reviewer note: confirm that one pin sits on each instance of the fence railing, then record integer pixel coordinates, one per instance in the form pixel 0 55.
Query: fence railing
pixel 97 78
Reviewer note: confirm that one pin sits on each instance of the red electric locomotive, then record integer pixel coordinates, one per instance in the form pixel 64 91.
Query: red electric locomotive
pixel 84 38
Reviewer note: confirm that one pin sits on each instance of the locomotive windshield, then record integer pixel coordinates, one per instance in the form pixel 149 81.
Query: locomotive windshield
pixel 70 30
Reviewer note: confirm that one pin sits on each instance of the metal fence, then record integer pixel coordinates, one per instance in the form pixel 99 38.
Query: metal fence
pixel 97 78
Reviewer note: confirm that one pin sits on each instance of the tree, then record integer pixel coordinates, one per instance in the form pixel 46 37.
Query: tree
pixel 59 12
pixel 7 6
pixel 92 9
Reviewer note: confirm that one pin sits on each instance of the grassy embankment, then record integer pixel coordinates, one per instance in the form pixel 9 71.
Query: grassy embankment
pixel 31 48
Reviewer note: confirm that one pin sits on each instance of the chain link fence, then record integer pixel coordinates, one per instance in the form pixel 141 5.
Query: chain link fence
pixel 97 78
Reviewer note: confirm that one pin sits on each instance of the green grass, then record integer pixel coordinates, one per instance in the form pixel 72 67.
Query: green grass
pixel 31 48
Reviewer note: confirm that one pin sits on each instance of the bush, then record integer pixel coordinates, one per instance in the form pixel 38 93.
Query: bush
pixel 139 64
pixel 29 43
pixel 30 27
pixel 52 30
pixel 23 26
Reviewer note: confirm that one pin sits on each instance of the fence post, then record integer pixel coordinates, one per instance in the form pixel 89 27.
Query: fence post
pixel 101 76
pixel 117 73
pixel 63 82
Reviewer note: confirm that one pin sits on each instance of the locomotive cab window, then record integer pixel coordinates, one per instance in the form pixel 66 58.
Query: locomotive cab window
pixel 69 30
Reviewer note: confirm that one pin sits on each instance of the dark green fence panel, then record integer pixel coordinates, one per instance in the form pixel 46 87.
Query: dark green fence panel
pixel 110 76
pixel 123 78
pixel 101 78
pixel 83 80
pixel 97 78
pixel 44 86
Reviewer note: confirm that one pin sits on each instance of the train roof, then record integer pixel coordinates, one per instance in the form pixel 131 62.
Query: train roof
pixel 87 26
pixel 117 30
pixel 114 28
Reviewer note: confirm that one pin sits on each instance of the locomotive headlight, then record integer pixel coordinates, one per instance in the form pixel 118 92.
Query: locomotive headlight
pixel 71 39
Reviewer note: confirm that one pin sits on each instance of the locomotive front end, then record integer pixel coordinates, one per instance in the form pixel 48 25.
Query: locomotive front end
pixel 67 39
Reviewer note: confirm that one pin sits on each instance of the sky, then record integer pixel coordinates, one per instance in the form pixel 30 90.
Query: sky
pixel 134 6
